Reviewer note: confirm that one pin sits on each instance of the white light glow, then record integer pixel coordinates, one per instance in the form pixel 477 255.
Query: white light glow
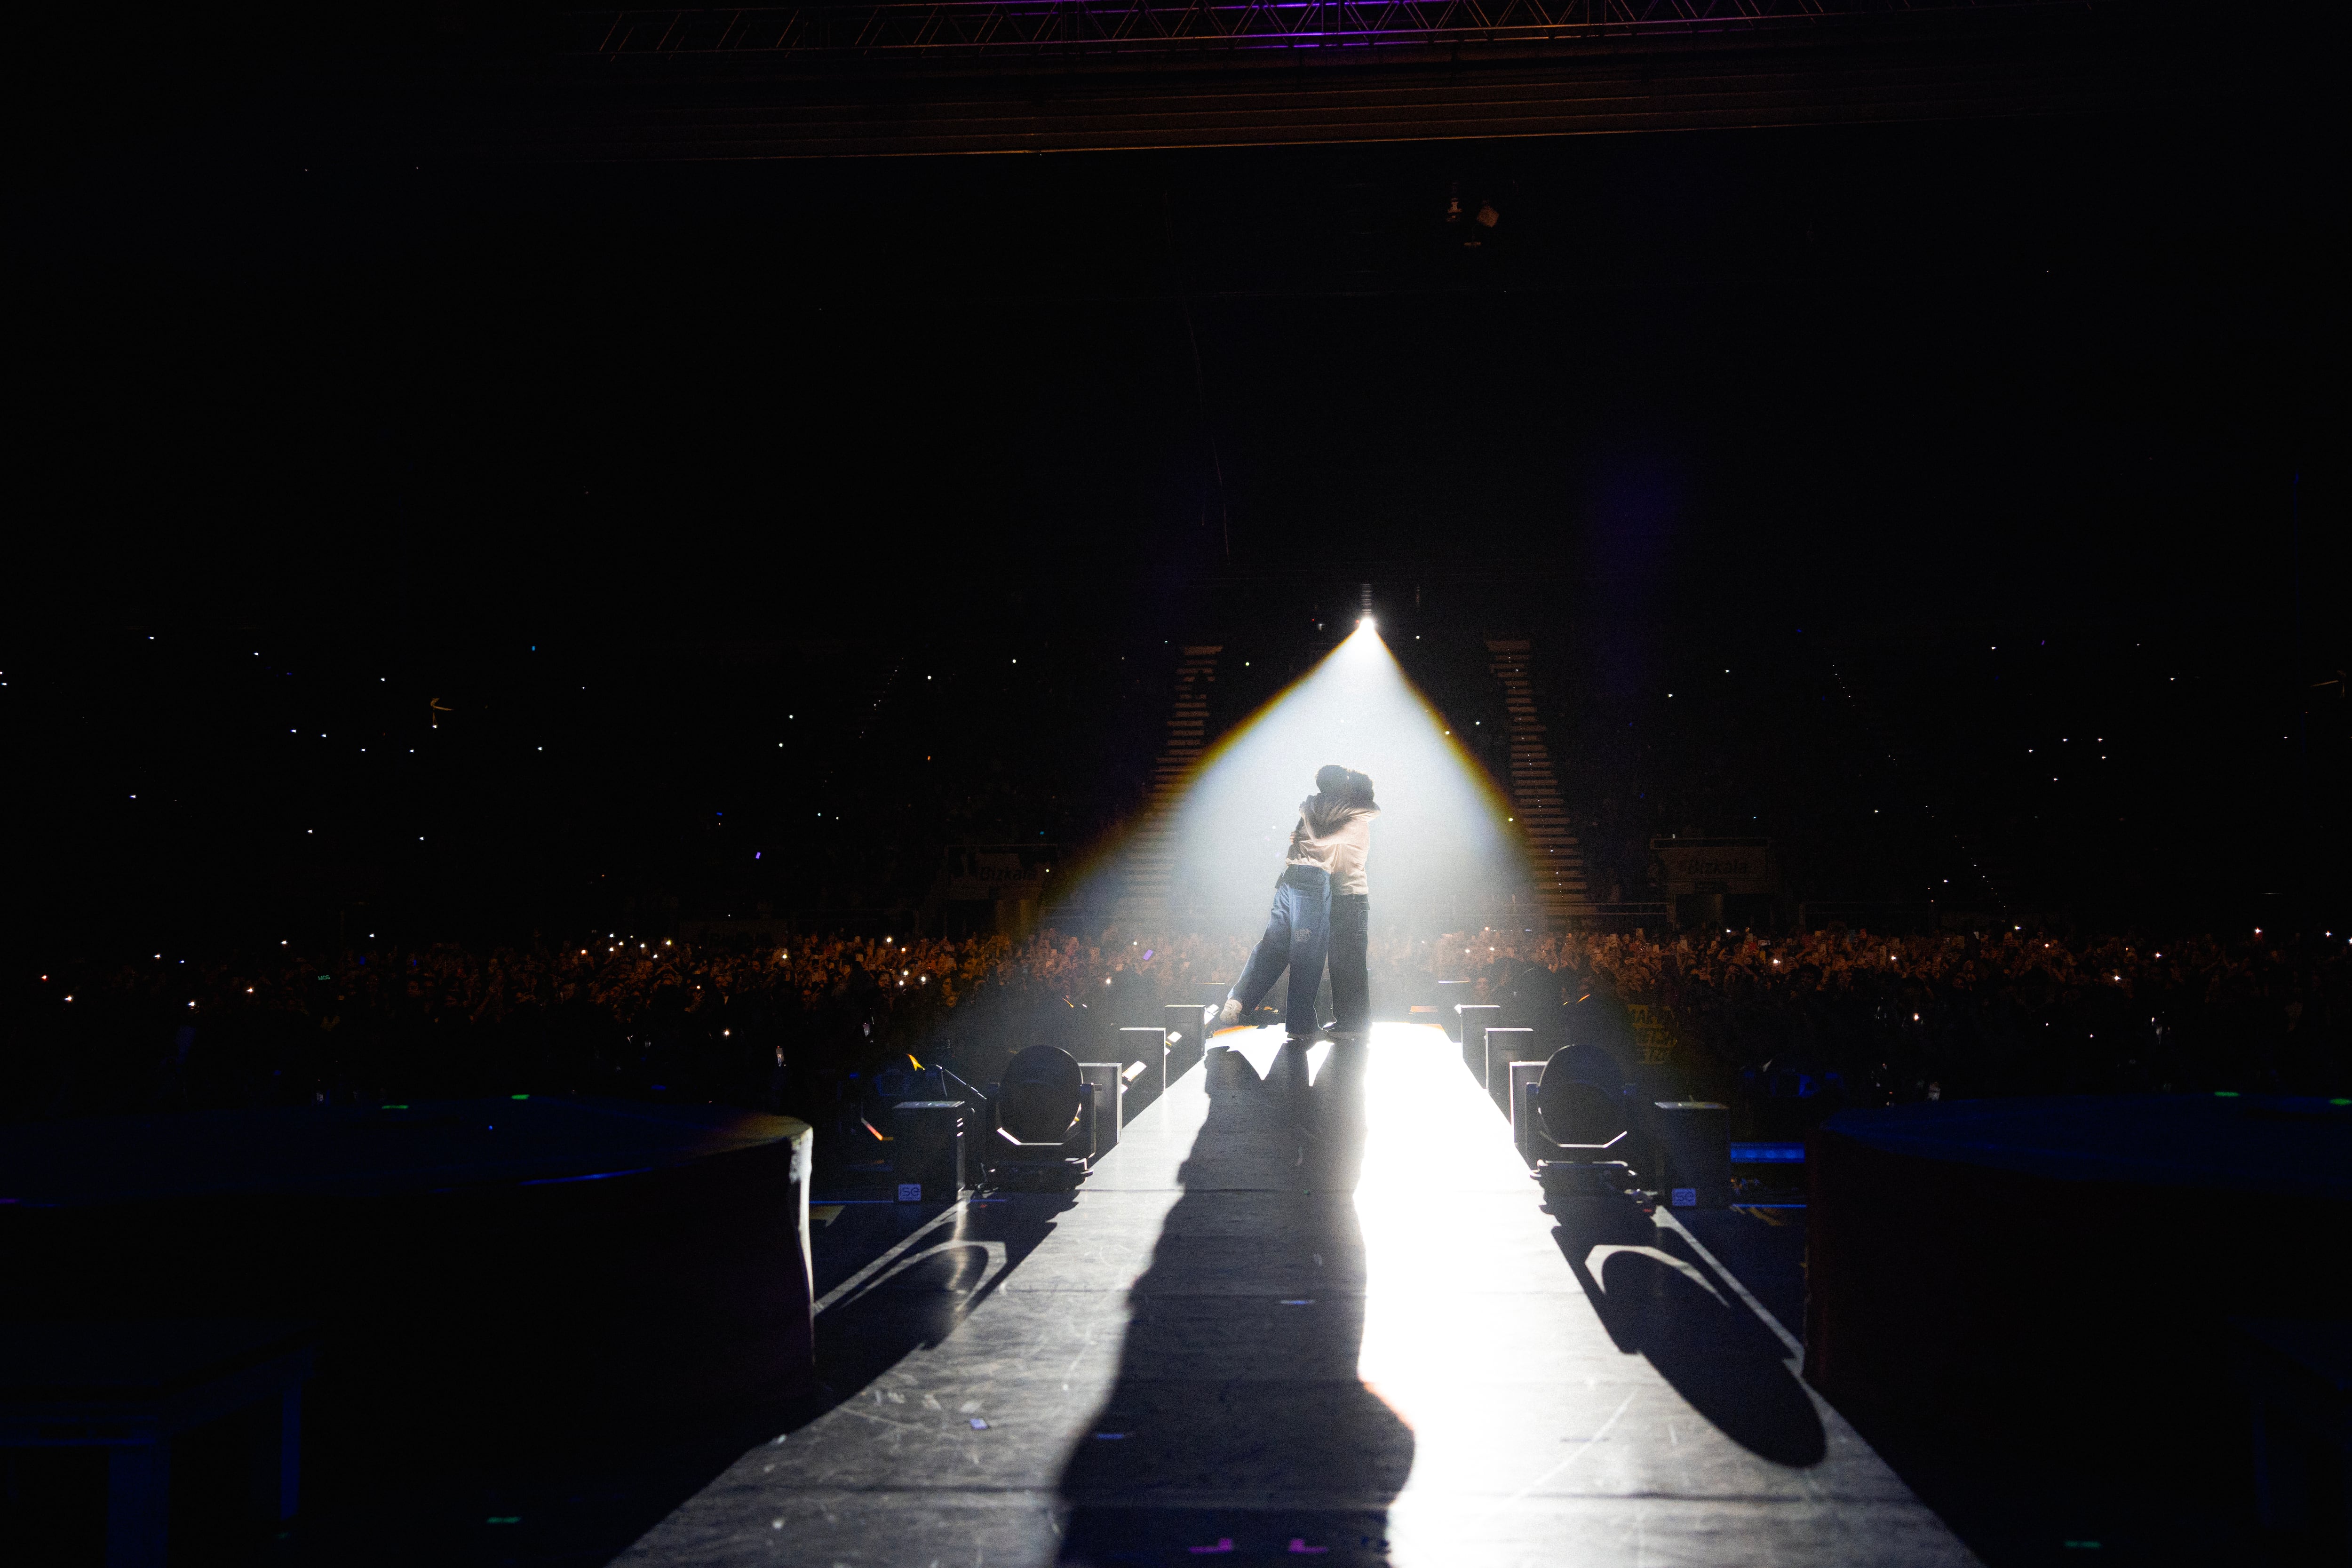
pixel 1442 842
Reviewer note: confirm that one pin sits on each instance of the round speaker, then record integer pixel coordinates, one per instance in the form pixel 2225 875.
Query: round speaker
pixel 1038 1099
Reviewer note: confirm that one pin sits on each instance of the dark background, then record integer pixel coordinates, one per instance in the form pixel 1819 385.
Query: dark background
pixel 1962 505
pixel 408 545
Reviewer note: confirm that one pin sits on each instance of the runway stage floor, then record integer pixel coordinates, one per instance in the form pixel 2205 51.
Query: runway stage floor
pixel 1320 1316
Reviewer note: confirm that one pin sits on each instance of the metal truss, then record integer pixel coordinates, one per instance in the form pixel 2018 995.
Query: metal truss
pixel 981 28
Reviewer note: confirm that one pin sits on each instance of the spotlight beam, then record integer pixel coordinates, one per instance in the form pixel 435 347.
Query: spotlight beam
pixel 1442 850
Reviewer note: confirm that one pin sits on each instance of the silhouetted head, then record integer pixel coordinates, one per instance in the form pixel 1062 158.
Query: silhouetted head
pixel 1332 780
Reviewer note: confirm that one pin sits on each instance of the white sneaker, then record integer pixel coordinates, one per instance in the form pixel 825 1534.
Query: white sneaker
pixel 1229 1014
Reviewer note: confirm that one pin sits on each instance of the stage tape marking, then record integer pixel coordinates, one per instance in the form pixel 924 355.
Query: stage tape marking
pixel 1581 1449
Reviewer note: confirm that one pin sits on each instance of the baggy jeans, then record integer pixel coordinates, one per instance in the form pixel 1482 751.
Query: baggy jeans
pixel 1298 930
pixel 1351 983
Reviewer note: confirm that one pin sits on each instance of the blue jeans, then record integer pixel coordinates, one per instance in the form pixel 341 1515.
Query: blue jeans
pixel 1298 930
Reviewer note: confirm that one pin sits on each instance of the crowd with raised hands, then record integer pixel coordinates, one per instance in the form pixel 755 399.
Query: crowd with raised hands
pixel 1839 1016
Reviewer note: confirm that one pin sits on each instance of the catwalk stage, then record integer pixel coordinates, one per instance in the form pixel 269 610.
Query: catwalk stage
pixel 1308 1310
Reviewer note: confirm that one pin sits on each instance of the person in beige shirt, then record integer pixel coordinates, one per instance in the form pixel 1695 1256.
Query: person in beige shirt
pixel 1351 909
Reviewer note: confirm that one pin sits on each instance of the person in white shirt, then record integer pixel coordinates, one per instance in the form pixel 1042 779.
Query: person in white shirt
pixel 1297 928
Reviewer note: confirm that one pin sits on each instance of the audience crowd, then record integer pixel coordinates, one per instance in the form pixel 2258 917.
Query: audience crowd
pixel 1784 1026
pixel 1849 1017
pixel 768 1024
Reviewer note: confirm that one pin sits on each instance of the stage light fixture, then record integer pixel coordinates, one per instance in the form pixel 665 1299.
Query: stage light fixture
pixel 1581 1117
pixel 1580 1132
pixel 1039 1102
pixel 1044 1111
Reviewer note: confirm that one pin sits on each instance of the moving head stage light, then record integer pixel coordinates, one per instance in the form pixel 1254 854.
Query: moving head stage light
pixel 1044 1115
pixel 1578 1132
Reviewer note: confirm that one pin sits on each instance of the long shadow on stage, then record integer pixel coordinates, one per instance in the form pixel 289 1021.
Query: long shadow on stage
pixel 1667 1304
pixel 1239 1429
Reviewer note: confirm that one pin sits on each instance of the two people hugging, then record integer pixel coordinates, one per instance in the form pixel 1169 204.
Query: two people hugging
pixel 1322 909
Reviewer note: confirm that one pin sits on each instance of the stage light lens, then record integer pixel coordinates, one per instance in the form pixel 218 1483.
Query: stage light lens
pixel 1039 1102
